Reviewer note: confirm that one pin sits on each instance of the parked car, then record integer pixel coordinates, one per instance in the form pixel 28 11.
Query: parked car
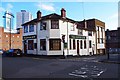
pixel 1 51
pixel 14 52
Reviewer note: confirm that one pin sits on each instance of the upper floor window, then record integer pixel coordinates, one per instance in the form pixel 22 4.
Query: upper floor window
pixel 101 29
pixel 97 28
pixel 25 29
pixel 54 24
pixel 73 27
pixel 89 33
pixel 80 32
pixel 43 26
pixel 31 28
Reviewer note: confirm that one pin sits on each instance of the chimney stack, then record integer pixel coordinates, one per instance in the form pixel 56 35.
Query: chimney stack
pixel 39 15
pixel 63 13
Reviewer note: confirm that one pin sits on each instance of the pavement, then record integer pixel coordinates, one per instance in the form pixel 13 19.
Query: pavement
pixel 113 58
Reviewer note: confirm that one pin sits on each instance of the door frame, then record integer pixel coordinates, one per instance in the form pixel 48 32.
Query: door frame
pixel 78 50
pixel 25 48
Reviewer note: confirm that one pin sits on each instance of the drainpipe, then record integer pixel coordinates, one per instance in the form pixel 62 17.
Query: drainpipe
pixel 67 41
pixel 87 34
pixel 37 38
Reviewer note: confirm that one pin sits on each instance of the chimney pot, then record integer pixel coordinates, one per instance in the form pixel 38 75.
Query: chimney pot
pixel 63 13
pixel 39 15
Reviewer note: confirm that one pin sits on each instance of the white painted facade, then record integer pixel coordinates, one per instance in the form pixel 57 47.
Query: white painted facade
pixel 100 34
pixel 65 28
pixel 49 32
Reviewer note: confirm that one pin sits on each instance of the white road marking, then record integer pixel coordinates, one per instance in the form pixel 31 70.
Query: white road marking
pixel 88 71
pixel 84 76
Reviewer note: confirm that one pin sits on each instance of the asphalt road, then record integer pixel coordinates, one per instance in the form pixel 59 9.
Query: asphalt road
pixel 83 67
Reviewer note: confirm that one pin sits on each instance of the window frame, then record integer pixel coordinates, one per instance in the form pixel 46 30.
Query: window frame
pixel 73 27
pixel 42 27
pixel 80 32
pixel 35 45
pixel 31 26
pixel 53 23
pixel 85 45
pixel 74 44
pixel 89 33
pixel 43 44
pixel 26 30
pixel 70 44
pixel 31 43
pixel 54 44
pixel 90 44
pixel 81 44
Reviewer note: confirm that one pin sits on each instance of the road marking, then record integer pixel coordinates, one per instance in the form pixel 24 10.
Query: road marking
pixel 84 76
pixel 88 71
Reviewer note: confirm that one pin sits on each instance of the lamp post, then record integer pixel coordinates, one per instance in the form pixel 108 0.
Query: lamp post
pixel 108 37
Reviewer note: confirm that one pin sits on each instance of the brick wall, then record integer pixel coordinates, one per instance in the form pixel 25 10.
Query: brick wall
pixel 16 40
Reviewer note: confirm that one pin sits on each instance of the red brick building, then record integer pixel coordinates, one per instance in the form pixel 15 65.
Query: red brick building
pixel 13 40
pixel 113 40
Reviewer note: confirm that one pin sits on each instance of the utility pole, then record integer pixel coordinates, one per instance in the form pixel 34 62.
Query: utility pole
pixel 108 37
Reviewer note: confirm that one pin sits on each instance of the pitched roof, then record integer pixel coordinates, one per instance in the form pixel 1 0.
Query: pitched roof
pixel 50 16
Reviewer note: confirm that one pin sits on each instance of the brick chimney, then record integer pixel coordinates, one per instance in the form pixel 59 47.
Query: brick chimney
pixel 39 15
pixel 63 13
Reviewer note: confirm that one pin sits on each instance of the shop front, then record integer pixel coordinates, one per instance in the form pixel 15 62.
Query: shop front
pixel 29 44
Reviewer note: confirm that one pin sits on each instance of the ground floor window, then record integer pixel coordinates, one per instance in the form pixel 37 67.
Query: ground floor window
pixel 30 44
pixel 55 44
pixel 74 46
pixel 84 44
pixel 42 44
pixel 70 44
pixel 35 45
pixel 81 44
pixel 90 44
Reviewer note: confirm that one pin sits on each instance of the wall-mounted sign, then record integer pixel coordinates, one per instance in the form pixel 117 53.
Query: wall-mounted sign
pixel 29 37
pixel 77 37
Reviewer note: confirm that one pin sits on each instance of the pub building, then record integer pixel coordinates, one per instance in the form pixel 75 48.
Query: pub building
pixel 55 34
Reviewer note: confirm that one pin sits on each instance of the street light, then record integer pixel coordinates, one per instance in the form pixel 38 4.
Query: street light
pixel 107 45
pixel 10 27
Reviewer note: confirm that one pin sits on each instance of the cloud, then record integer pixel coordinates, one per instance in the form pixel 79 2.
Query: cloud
pixel 112 22
pixel 9 7
pixel 46 6
pixel 115 15
pixel 2 9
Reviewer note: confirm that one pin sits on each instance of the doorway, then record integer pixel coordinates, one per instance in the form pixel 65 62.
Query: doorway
pixel 25 48
pixel 78 47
